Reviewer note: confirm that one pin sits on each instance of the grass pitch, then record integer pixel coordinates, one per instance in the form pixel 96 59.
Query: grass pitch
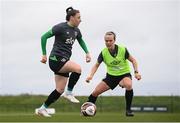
pixel 100 117
pixel 109 109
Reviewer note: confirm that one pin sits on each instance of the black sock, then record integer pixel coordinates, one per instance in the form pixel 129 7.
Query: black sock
pixel 74 77
pixel 92 99
pixel 52 97
pixel 128 97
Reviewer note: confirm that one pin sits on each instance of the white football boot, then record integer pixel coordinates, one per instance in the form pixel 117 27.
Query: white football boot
pixel 71 98
pixel 43 112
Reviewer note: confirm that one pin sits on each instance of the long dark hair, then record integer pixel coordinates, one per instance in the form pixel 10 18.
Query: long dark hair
pixel 71 12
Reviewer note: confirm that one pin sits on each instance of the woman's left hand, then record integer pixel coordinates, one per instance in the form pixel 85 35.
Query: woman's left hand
pixel 88 57
pixel 137 76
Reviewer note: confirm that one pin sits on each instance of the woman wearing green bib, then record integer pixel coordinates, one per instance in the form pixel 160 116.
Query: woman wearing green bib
pixel 116 59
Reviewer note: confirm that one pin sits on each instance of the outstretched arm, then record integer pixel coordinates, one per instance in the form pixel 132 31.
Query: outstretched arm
pixel 93 71
pixel 135 66
pixel 84 47
pixel 44 38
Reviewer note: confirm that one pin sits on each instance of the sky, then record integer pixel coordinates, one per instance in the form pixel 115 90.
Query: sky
pixel 148 28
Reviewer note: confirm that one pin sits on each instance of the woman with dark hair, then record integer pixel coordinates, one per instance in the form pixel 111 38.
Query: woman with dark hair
pixel 59 60
pixel 116 59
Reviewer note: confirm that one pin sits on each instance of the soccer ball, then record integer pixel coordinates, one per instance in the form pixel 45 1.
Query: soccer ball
pixel 88 109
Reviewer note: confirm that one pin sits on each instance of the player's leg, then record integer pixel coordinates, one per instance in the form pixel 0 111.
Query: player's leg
pixel 71 66
pixel 109 82
pixel 100 88
pixel 127 83
pixel 60 85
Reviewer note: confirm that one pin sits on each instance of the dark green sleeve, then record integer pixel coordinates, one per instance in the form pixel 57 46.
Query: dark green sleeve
pixel 44 38
pixel 83 45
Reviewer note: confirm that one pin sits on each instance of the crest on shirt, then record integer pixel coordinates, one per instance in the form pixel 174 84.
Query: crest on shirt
pixel 75 33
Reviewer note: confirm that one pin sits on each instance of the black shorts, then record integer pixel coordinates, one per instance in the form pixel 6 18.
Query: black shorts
pixel 113 81
pixel 56 63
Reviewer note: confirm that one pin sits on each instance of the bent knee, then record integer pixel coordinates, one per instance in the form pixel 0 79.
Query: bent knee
pixel 78 69
pixel 128 86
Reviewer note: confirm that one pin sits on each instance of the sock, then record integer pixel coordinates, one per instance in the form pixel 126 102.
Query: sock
pixel 92 99
pixel 43 106
pixel 52 98
pixel 128 97
pixel 69 91
pixel 74 77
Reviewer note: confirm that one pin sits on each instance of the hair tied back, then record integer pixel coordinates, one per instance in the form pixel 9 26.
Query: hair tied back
pixel 69 9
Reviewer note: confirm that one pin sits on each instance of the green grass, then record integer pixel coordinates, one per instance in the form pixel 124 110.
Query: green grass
pixel 100 117
pixel 109 109
pixel 27 103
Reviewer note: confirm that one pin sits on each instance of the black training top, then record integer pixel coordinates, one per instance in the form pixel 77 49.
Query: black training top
pixel 65 37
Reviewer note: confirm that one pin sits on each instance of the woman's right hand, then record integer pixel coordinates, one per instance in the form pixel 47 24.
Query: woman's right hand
pixel 88 57
pixel 44 59
pixel 88 79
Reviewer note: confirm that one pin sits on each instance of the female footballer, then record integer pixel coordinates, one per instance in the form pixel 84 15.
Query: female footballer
pixel 59 60
pixel 116 59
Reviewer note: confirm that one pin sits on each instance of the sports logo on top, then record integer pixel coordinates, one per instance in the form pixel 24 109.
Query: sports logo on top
pixel 70 41
pixel 75 33
pixel 115 62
